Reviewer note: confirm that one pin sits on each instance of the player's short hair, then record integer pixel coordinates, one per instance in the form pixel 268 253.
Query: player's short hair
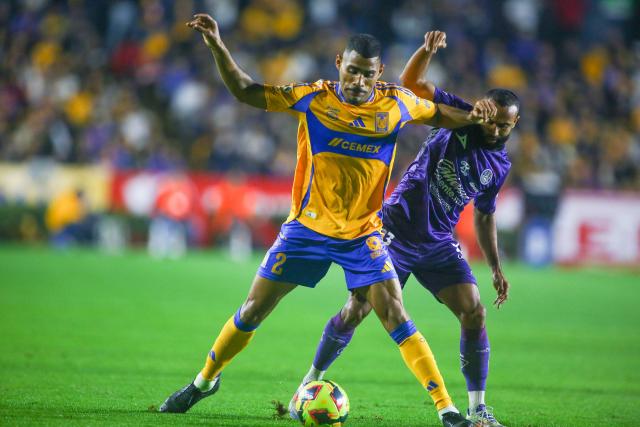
pixel 504 97
pixel 364 44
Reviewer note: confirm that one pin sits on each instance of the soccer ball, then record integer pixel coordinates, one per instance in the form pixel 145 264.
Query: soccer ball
pixel 322 403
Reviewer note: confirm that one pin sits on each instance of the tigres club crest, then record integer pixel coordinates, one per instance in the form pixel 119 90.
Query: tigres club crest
pixel 382 122
pixel 332 113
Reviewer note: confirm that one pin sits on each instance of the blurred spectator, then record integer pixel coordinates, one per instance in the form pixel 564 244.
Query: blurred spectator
pixel 68 219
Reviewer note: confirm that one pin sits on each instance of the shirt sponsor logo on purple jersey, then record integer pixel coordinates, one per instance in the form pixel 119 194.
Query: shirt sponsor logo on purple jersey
pixel 448 185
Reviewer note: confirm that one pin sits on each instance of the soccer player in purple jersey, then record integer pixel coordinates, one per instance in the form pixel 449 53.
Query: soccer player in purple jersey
pixel 452 168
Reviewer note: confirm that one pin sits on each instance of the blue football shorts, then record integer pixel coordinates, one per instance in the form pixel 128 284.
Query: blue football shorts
pixel 302 257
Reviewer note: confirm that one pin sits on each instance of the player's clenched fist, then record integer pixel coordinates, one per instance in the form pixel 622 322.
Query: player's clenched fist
pixel 434 40
pixel 206 26
pixel 483 110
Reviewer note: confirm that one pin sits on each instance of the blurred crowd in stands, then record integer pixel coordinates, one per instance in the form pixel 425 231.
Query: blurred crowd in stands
pixel 126 83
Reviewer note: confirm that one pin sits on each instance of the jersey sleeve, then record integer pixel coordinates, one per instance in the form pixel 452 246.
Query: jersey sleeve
pixel 442 97
pixel 290 97
pixel 485 202
pixel 414 109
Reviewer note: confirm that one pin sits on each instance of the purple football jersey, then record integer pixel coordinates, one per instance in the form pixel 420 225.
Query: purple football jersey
pixel 452 168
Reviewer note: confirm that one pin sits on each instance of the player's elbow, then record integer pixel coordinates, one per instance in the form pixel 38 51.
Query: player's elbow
pixel 240 96
pixel 406 81
pixel 421 88
pixel 410 84
pixel 251 94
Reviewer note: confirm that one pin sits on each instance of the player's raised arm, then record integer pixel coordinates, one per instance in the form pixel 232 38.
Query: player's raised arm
pixel 239 83
pixel 485 224
pixel 452 118
pixel 412 77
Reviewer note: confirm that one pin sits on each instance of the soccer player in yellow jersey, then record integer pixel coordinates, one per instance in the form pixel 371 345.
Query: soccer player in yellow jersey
pixel 346 145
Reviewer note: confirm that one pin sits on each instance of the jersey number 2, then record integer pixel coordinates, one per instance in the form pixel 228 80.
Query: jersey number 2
pixel 277 267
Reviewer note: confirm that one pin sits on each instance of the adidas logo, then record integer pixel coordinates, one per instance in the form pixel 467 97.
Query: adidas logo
pixel 357 123
pixel 388 266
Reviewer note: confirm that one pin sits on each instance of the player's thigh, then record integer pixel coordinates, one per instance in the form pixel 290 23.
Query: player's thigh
pixel 263 297
pixel 385 298
pixel 357 306
pixel 461 298
pixel 403 261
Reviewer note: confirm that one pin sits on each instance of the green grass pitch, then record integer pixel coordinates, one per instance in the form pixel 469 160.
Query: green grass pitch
pixel 92 339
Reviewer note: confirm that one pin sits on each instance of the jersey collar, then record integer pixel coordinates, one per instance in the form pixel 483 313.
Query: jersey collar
pixel 341 97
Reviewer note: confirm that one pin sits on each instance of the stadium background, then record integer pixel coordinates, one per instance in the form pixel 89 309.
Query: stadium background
pixel 117 137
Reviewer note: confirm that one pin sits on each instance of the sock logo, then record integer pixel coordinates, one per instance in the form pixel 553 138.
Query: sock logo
pixel 463 362
pixel 432 386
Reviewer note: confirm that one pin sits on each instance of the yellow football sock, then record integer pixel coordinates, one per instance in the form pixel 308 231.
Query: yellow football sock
pixel 419 358
pixel 230 342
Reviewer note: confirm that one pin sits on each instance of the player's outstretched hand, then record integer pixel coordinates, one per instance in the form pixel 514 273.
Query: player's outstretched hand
pixel 483 110
pixel 434 40
pixel 207 26
pixel 502 288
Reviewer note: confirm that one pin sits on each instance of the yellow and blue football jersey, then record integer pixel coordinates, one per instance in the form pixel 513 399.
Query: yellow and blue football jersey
pixel 345 152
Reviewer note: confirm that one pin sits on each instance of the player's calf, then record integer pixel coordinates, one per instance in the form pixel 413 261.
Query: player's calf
pixel 386 300
pixel 335 337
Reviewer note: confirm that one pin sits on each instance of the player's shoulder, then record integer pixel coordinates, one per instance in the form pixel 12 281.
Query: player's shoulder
pixel 321 85
pixel 308 87
pixel 506 161
pixel 391 89
pixel 403 95
pixel 502 164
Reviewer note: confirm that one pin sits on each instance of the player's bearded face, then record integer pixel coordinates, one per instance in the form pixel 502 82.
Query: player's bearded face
pixel 498 129
pixel 358 75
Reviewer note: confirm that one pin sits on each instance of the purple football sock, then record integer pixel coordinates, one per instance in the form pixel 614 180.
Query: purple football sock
pixel 474 358
pixel 335 337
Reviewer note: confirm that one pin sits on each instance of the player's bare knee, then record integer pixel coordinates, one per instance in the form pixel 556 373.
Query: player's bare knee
pixel 393 315
pixel 474 318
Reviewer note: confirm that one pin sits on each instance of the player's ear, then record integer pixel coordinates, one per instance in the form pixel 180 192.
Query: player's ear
pixel 517 113
pixel 380 70
pixel 338 61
